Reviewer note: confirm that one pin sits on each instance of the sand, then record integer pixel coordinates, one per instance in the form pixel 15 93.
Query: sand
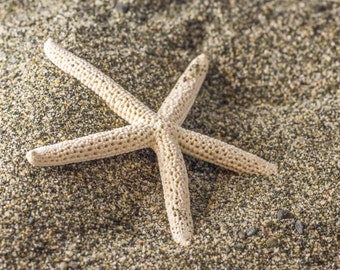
pixel 273 89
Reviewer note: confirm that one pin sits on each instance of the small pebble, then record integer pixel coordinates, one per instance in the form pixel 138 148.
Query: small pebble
pixel 31 220
pixel 269 224
pixel 239 245
pixel 272 242
pixel 73 265
pixel 122 8
pixel 251 231
pixel 299 226
pixel 284 214
pixel 242 235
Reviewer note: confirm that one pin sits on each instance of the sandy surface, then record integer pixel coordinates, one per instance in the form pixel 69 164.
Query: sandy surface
pixel 273 89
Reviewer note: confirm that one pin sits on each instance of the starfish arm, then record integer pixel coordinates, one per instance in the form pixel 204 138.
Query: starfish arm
pixel 95 146
pixel 177 104
pixel 118 99
pixel 223 154
pixel 175 187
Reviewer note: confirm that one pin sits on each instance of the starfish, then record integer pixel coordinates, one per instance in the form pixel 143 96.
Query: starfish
pixel 160 131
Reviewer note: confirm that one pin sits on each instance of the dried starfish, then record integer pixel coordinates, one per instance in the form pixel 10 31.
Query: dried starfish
pixel 161 131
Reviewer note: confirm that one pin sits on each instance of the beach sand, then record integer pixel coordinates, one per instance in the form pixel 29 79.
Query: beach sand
pixel 273 89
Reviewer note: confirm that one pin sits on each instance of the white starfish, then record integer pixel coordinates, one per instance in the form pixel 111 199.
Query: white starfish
pixel 161 131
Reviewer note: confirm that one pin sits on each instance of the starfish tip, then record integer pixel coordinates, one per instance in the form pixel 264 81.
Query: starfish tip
pixel 273 170
pixel 48 44
pixel 31 157
pixel 183 241
pixel 183 237
pixel 204 58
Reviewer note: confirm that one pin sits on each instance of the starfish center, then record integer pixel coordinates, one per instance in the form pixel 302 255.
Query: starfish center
pixel 161 126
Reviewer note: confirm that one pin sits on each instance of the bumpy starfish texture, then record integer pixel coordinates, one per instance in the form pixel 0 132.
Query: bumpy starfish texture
pixel 160 131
